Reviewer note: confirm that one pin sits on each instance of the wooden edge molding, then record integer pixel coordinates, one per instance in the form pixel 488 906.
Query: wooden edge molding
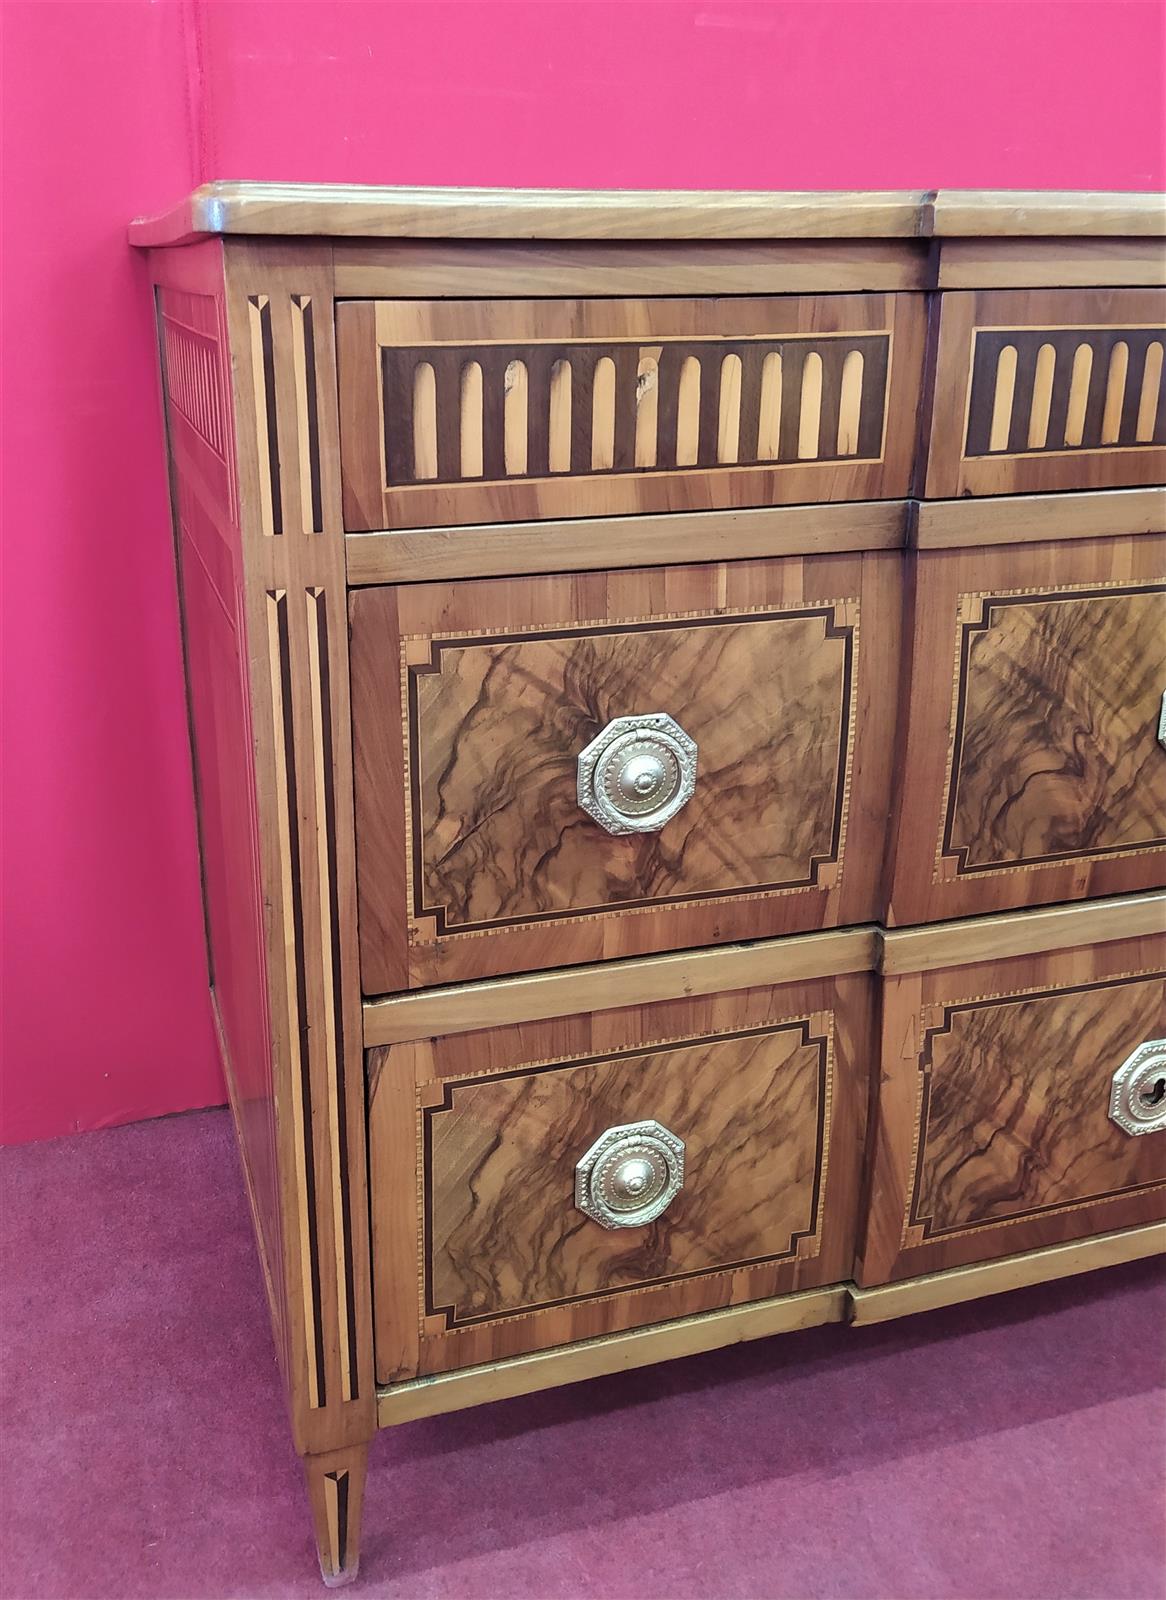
pixel 1051 263
pixel 1069 213
pixel 1027 518
pixel 617 1352
pixel 536 997
pixel 483 269
pixel 1020 933
pixel 646 980
pixel 958 1284
pixel 370 211
pixel 419 555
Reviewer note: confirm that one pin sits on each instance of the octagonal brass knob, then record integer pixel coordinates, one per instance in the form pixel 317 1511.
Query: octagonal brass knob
pixel 630 1175
pixel 635 775
pixel 1137 1094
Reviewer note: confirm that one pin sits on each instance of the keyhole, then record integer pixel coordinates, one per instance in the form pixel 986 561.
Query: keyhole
pixel 1154 1093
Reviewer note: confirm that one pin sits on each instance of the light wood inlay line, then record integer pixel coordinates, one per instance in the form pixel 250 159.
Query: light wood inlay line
pixel 287 827
pixel 307 418
pixel 266 431
pixel 330 964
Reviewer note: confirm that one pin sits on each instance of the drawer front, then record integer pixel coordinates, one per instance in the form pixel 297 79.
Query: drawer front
pixel 994 1133
pixel 473 703
pixel 1033 768
pixel 1048 389
pixel 514 410
pixel 488 1242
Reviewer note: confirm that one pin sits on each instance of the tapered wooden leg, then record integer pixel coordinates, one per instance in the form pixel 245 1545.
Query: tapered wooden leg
pixel 336 1490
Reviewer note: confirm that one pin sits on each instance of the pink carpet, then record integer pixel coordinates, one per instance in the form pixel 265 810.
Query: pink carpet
pixel 1011 1448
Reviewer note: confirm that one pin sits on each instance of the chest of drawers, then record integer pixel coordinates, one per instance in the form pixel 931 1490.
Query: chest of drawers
pixel 675 684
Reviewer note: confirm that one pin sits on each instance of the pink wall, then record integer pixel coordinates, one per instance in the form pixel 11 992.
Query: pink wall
pixel 117 106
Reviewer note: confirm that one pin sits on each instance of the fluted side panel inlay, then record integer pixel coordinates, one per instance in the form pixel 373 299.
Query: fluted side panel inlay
pixel 630 407
pixel 1056 389
pixel 194 381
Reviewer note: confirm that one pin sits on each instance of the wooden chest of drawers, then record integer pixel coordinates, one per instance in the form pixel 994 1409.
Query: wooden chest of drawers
pixel 676 688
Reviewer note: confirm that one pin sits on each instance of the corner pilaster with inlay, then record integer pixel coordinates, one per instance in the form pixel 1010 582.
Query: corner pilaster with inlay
pixel 280 315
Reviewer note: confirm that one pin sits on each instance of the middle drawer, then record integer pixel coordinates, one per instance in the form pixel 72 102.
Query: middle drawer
pixel 614 763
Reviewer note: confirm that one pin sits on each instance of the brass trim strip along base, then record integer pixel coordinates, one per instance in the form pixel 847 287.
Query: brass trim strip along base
pixel 616 1352
pixel 604 986
pixel 996 1277
pixel 621 1352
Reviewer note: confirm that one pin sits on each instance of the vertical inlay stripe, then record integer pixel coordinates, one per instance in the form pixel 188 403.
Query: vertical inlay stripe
pixel 810 413
pixel 266 428
pixel 515 418
pixel 1002 400
pixel 471 420
pixel 559 423
pixel 729 410
pixel 288 837
pixel 303 345
pixel 688 413
pixel 1148 401
pixel 647 407
pixel 603 415
pixel 1078 394
pixel 333 1031
pixel 850 405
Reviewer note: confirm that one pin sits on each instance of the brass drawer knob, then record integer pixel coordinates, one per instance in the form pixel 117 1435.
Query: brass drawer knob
pixel 1137 1095
pixel 636 774
pixel 630 1175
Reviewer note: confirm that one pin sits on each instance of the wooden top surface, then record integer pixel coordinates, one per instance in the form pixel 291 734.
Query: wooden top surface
pixel 371 212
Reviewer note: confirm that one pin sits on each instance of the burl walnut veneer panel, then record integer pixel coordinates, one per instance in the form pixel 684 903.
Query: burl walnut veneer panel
pixel 457 412
pixel 479 1249
pixel 1033 771
pixel 1048 389
pixel 992 1133
pixel 472 702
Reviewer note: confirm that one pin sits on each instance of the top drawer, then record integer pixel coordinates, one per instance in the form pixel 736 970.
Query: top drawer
pixel 477 411
pixel 1048 389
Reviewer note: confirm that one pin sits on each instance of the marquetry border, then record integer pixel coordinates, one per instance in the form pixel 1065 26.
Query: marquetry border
pixel 974 615
pixel 804 1244
pixel 828 611
pixel 929 1031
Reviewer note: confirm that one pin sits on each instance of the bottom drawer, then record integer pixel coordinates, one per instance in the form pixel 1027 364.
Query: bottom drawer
pixel 721 1135
pixel 993 1131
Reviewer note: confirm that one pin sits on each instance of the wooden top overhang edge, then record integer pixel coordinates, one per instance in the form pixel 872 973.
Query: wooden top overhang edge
pixel 358 211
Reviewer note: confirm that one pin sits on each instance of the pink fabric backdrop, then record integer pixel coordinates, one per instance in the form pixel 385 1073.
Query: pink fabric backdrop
pixel 113 107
